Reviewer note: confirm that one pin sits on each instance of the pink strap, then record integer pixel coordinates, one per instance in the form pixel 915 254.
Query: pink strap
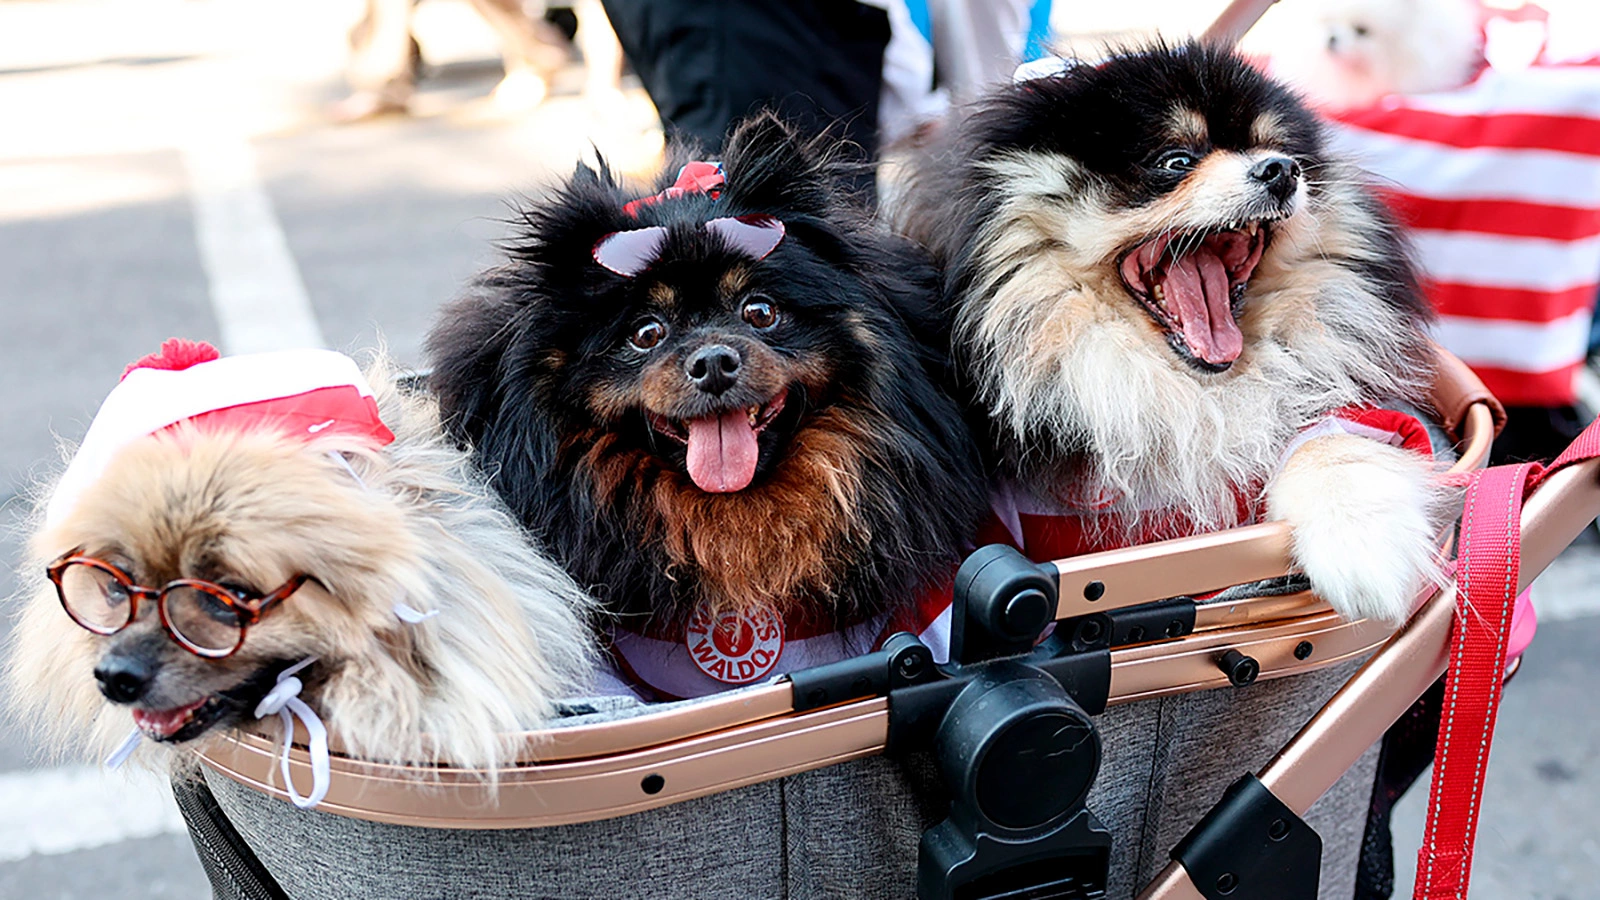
pixel 1486 628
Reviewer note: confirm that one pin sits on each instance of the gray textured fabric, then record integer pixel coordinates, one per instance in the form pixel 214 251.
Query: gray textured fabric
pixel 849 831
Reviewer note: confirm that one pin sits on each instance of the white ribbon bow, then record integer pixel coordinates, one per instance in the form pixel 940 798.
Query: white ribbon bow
pixel 284 700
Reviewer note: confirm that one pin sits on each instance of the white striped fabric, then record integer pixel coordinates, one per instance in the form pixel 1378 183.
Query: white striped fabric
pixel 1500 184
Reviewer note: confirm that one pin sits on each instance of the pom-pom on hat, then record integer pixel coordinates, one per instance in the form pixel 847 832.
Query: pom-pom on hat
pixel 305 393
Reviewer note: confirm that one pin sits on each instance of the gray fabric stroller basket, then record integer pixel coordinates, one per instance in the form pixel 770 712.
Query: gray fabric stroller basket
pixel 850 830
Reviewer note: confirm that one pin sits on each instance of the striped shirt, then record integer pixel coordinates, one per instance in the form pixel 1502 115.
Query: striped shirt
pixel 1500 184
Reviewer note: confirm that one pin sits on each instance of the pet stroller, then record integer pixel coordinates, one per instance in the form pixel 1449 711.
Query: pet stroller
pixel 1068 768
pixel 1088 765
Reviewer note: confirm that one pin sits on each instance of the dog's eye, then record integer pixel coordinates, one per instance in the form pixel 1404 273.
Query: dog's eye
pixel 647 335
pixel 1176 161
pixel 1360 30
pixel 759 312
pixel 235 588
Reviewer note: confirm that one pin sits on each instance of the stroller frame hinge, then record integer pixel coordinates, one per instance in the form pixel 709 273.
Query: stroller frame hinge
pixel 1250 846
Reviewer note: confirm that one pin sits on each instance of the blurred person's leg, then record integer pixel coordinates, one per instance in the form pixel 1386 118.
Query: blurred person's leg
pixel 818 62
pixel 383 64
pixel 533 50
pixel 602 54
pixel 979 43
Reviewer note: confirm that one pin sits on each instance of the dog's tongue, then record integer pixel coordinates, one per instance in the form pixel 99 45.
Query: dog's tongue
pixel 722 452
pixel 1197 292
pixel 161 723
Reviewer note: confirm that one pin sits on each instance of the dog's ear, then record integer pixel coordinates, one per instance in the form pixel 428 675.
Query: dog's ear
pixel 490 382
pixel 467 348
pixel 770 167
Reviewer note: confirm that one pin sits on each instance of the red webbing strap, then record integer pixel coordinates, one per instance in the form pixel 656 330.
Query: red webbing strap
pixel 1486 593
pixel 1487 570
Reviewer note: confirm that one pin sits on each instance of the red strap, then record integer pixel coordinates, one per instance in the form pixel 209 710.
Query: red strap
pixel 1487 571
pixel 1486 578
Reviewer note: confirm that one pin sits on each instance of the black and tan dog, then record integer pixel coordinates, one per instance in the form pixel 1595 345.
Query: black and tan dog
pixel 1178 313
pixel 720 399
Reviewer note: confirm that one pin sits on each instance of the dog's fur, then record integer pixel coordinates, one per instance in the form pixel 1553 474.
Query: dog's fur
pixel 867 484
pixel 419 527
pixel 1350 53
pixel 1032 207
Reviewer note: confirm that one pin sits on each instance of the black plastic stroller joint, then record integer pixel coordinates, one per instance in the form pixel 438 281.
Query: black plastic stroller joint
pixel 1008 722
pixel 1250 846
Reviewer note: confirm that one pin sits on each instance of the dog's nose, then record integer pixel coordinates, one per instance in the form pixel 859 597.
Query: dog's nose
pixel 1280 175
pixel 123 679
pixel 713 369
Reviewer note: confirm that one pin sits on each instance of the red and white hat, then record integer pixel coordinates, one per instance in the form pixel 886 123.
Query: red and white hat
pixel 298 392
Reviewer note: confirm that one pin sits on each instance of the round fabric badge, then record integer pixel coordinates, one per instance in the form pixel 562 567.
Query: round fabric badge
pixel 735 648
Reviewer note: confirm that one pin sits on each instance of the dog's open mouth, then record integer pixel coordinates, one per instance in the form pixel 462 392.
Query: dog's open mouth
pixel 1193 284
pixel 180 723
pixel 723 451
pixel 185 723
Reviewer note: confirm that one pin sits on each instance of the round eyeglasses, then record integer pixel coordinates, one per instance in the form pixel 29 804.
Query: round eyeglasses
pixel 205 618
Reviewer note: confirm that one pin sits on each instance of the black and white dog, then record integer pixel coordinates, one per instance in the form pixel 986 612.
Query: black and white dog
pixel 1179 314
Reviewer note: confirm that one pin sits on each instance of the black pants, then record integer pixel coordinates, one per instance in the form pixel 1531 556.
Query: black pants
pixel 707 63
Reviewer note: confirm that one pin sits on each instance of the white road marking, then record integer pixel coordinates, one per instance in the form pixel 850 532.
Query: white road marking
pixel 46 811
pixel 256 290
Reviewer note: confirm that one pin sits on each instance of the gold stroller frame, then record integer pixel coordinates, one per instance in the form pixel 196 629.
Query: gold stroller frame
pixel 589 772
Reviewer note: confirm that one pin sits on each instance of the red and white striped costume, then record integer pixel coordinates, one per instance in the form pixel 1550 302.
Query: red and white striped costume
pixel 1500 183
pixel 297 392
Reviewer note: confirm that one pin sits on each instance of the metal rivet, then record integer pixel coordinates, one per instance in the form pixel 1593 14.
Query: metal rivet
pixel 1278 830
pixel 1090 631
pixel 1094 590
pixel 910 665
pixel 652 784
pixel 1226 882
pixel 1303 650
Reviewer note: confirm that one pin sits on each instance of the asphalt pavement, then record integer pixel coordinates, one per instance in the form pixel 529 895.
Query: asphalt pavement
pixel 114 113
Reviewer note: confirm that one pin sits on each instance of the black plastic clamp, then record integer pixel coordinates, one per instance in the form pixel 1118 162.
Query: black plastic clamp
pixel 1250 846
pixel 1008 721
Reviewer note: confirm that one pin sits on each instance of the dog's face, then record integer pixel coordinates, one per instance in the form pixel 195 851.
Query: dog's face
pixel 247 512
pixel 710 363
pixel 1350 53
pixel 1175 173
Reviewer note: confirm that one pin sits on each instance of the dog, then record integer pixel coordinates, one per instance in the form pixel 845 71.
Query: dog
pixel 719 406
pixel 438 631
pixel 1351 53
pixel 1176 311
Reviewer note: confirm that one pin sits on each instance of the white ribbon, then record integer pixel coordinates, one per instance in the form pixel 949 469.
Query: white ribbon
pixel 124 750
pixel 338 457
pixel 410 615
pixel 284 699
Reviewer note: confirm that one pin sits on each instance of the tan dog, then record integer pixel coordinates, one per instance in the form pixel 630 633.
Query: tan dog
pixel 372 529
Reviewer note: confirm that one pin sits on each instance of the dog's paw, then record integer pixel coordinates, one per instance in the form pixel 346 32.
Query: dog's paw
pixel 1366 520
